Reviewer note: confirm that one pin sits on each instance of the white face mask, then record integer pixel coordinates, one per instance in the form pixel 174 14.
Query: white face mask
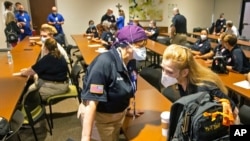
pixel 219 41
pixel 139 53
pixel 203 37
pixel 167 80
pixel 43 39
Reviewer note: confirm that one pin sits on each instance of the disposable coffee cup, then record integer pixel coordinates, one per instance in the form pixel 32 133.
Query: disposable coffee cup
pixel 165 122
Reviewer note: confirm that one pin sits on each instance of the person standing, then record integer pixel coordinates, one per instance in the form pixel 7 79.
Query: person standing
pixel 108 16
pixel 56 20
pixel 109 85
pixel 8 8
pixel 120 20
pixel 11 25
pixel 220 25
pixel 178 28
pixel 24 22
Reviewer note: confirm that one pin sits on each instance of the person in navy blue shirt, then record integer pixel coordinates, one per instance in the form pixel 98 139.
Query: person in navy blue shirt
pixel 24 22
pixel 56 20
pixel 202 45
pixel 238 61
pixel 109 85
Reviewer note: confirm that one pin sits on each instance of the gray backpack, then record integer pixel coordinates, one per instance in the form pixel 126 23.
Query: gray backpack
pixel 187 122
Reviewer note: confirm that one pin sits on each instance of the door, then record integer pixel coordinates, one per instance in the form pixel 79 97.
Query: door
pixel 40 9
pixel 246 22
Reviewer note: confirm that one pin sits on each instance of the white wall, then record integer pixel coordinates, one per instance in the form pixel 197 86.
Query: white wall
pixel 199 13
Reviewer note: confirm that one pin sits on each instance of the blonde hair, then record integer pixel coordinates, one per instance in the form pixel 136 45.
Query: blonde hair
pixel 198 74
pixel 53 29
pixel 9 18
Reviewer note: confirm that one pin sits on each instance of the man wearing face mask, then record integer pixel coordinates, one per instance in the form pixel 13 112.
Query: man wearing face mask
pixel 109 84
pixel 56 20
pixel 48 32
pixel 202 45
pixel 220 25
pixel 24 22
pixel 108 16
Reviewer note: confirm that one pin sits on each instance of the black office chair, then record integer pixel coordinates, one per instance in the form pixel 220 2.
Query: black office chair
pixel 34 111
pixel 152 76
pixel 16 123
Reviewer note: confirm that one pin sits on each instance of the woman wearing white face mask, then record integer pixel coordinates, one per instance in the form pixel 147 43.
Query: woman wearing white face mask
pixel 178 63
pixel 202 45
pixel 109 84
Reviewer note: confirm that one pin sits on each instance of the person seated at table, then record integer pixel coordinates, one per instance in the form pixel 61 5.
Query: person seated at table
pixel 107 39
pixel 50 71
pixel 238 60
pixel 153 31
pixel 202 45
pixel 100 29
pixel 91 30
pixel 231 28
pixel 179 65
pixel 47 32
pixel 218 50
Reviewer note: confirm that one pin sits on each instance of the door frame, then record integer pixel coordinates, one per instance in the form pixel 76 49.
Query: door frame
pixel 242 15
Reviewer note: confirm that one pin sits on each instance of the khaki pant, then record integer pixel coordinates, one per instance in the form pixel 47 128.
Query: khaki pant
pixel 47 89
pixel 106 127
pixel 179 39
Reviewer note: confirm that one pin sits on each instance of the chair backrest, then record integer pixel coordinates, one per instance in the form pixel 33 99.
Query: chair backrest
pixel 74 77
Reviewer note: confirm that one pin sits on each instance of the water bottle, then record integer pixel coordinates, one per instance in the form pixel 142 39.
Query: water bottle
pixel 9 56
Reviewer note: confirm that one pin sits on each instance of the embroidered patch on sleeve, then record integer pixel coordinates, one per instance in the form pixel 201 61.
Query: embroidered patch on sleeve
pixel 98 89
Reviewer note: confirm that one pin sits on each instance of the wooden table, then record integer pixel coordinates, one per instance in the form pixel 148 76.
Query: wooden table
pixel 213 44
pixel 215 37
pixel 12 87
pixel 148 126
pixel 88 53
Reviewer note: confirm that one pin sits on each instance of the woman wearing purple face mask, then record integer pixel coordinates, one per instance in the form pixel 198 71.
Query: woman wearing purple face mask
pixel 109 84
pixel 202 45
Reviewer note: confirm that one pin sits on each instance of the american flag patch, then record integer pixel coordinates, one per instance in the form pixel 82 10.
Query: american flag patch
pixel 98 89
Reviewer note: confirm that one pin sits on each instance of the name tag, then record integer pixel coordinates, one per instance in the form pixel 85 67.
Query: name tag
pixel 119 78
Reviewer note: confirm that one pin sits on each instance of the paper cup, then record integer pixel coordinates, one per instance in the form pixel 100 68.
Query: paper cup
pixel 165 122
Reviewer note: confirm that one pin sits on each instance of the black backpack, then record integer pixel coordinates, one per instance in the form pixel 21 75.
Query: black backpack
pixel 189 120
pixel 11 34
pixel 219 65
pixel 4 128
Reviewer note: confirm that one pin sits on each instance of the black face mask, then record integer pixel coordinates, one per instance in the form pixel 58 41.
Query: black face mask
pixel 20 11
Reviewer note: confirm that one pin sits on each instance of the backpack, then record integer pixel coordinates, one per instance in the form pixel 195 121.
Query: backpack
pixel 11 34
pixel 198 117
pixel 4 128
pixel 219 65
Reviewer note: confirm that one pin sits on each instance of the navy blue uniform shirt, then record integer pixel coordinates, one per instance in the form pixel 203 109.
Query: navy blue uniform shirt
pixel 108 81
pixel 239 61
pixel 202 46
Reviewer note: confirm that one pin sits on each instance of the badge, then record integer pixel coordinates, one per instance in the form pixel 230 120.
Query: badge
pixel 97 89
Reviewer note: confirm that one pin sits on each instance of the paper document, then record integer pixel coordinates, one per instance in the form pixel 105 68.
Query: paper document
pixel 243 84
pixel 95 45
pixel 101 50
pixel 16 74
pixel 34 38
